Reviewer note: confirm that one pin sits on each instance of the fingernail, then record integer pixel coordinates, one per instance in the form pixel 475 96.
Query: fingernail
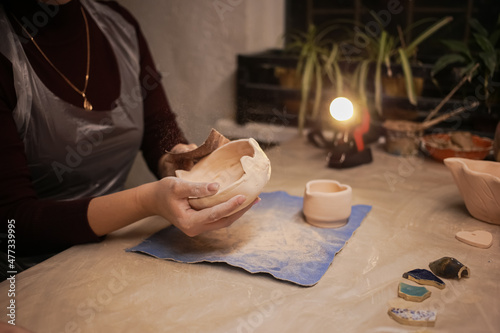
pixel 241 199
pixel 213 187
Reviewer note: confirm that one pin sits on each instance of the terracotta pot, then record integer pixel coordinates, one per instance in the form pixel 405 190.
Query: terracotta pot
pixel 240 167
pixel 440 146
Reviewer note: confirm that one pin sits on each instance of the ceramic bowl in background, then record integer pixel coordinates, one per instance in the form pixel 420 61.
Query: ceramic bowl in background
pixel 327 203
pixel 479 185
pixel 439 147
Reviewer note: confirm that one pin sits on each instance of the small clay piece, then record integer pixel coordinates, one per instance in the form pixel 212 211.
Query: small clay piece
pixel 413 293
pixel 240 167
pixel 449 268
pixel 424 276
pixel 478 238
pixel 213 141
pixel 413 317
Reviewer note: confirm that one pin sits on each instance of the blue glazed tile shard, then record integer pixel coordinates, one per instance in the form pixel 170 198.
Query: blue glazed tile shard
pixel 424 276
pixel 413 293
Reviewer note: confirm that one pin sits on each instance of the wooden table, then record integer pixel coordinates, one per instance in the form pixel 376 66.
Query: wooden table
pixel 416 212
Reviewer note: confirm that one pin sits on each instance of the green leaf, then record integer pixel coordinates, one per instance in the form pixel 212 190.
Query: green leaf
pixel 339 82
pixel 410 49
pixel 307 77
pixel 354 81
pixel 378 73
pixel 474 23
pixel 318 91
pixel 484 43
pixel 321 34
pixel 332 56
pixel 363 78
pixel 410 86
pixel 446 60
pixel 457 46
pixel 466 70
pixel 418 23
pixel 494 37
pixel 375 16
pixel 489 60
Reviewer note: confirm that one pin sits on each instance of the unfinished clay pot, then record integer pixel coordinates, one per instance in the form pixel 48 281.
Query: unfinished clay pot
pixel 327 203
pixel 479 185
pixel 240 167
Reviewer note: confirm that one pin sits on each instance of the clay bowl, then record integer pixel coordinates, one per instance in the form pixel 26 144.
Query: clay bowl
pixel 327 203
pixel 479 185
pixel 240 167
pixel 436 145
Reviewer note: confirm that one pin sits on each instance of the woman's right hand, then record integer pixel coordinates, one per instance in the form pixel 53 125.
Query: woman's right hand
pixel 169 196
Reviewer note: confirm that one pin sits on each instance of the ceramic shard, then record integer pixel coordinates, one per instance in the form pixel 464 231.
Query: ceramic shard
pixel 424 276
pixel 413 317
pixel 449 268
pixel 413 293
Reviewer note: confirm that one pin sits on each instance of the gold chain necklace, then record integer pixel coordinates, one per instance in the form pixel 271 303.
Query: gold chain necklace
pixel 86 104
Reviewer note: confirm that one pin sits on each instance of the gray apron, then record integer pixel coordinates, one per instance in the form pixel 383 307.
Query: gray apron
pixel 73 153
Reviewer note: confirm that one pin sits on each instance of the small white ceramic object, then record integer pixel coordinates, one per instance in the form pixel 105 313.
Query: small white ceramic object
pixel 327 203
pixel 479 185
pixel 479 238
pixel 240 167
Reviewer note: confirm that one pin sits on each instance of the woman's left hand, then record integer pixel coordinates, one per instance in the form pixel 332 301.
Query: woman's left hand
pixel 166 168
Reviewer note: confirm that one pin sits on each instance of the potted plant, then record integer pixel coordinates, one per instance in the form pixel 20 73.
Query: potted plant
pixel 482 52
pixel 318 58
pixel 386 50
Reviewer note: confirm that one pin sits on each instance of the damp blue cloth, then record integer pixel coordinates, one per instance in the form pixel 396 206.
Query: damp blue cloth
pixel 272 238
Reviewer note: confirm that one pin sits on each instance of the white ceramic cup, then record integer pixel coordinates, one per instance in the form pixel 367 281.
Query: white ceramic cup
pixel 327 203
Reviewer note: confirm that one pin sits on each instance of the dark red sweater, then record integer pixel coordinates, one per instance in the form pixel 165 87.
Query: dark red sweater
pixel 47 225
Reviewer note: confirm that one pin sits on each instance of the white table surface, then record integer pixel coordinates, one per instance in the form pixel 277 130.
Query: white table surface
pixel 417 210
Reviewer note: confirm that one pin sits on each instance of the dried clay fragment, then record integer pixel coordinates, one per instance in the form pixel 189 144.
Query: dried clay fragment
pixel 413 317
pixel 449 268
pixel 424 276
pixel 479 238
pixel 240 167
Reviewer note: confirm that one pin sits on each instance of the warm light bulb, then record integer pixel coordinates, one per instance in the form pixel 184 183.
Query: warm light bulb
pixel 341 109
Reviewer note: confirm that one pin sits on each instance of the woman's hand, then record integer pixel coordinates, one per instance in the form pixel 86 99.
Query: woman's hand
pixel 166 168
pixel 168 198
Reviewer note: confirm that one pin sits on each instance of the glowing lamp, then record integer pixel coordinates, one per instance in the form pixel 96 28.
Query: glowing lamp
pixel 341 109
pixel 348 148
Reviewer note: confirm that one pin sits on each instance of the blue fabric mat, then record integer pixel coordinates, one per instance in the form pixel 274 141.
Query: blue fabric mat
pixel 272 237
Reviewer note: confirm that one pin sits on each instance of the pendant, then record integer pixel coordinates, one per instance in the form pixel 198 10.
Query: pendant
pixel 86 104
